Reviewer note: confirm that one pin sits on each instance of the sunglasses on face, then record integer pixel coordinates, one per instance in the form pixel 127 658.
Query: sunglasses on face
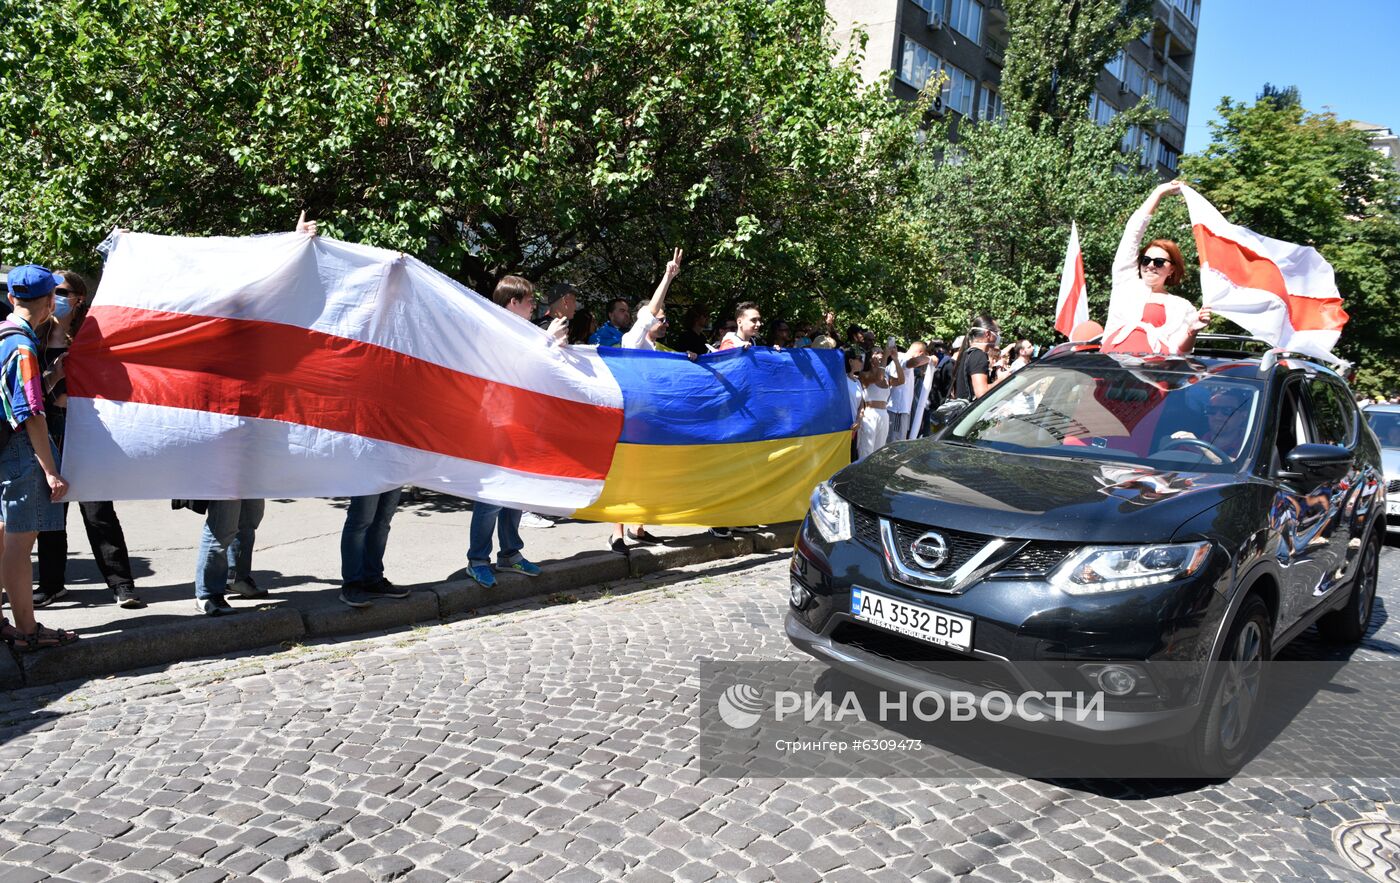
pixel 1220 410
pixel 1156 263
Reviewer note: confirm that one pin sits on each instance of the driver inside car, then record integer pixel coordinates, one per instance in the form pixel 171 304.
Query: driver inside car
pixel 1227 422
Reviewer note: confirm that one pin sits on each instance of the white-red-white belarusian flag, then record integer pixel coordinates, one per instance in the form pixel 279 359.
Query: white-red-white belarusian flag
pixel 1072 307
pixel 291 365
pixel 1278 291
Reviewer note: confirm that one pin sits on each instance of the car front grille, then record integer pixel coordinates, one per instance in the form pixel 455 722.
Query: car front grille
pixel 961 546
pixel 1393 487
pixel 986 673
pixel 866 528
pixel 1038 558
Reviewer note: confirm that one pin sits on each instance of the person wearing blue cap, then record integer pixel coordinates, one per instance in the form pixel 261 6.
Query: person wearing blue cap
pixel 30 484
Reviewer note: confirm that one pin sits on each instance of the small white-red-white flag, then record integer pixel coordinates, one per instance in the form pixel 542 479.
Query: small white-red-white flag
pixel 1280 292
pixel 1072 307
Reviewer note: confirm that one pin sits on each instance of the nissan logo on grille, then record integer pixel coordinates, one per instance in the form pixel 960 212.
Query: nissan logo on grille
pixel 929 551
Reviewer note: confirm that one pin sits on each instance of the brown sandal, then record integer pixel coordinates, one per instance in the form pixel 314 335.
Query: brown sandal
pixel 42 638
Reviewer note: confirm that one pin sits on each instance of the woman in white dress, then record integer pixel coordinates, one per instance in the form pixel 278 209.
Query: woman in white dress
pixel 875 419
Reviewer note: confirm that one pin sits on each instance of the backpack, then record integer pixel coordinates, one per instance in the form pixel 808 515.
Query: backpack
pixel 8 329
pixel 943 381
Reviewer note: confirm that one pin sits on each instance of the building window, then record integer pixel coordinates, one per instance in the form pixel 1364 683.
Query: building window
pixel 1167 156
pixel 1141 141
pixel 1190 8
pixel 966 18
pixel 1136 78
pixel 1115 66
pixel 1176 106
pixel 992 108
pixel 917 64
pixel 1100 111
pixel 926 5
pixel 959 93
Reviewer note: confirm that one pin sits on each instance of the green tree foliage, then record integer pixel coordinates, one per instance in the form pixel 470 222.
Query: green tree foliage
pixel 1312 179
pixel 1280 96
pixel 998 211
pixel 1054 54
pixel 576 139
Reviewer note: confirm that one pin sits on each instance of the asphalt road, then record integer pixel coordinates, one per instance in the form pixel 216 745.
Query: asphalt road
pixel 561 743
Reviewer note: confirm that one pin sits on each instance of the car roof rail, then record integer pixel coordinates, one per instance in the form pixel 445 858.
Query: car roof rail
pixel 1272 357
pixel 1231 345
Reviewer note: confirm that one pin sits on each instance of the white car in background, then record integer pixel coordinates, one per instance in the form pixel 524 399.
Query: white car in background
pixel 1385 422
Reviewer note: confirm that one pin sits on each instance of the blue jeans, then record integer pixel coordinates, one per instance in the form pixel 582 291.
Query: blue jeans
pixel 25 505
pixel 226 546
pixel 486 519
pixel 365 535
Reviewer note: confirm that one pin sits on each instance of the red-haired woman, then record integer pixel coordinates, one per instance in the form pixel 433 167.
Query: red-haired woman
pixel 1142 316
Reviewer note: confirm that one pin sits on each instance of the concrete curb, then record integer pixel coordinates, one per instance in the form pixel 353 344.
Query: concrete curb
pixel 431 603
pixel 456 597
pixel 163 644
pixel 11 678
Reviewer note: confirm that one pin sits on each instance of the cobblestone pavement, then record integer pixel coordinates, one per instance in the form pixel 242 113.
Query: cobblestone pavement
pixel 549 743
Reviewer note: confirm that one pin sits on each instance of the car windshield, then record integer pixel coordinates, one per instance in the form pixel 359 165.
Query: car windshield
pixel 1164 419
pixel 1386 425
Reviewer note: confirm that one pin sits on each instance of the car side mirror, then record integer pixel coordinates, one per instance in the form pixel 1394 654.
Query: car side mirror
pixel 1318 462
pixel 946 414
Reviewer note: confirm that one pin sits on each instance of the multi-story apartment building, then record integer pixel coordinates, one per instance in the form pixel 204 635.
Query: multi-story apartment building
pixel 966 41
pixel 1383 141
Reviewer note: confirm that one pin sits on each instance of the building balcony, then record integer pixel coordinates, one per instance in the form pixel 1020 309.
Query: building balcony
pixel 994 50
pixel 1180 25
pixel 1177 77
pixel 1172 133
pixel 996 8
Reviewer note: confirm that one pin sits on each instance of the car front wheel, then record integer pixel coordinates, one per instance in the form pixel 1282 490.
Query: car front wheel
pixel 1348 623
pixel 1223 737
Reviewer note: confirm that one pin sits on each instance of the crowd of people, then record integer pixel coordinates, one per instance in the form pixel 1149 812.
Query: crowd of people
pixel 48 308
pixel 894 393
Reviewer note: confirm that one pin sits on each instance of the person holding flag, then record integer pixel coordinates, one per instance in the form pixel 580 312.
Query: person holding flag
pixel 1142 316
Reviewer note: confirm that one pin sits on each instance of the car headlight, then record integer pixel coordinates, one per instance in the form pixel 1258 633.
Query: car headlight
pixel 1110 568
pixel 830 514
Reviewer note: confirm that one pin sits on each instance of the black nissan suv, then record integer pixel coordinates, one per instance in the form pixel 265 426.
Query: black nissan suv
pixel 1154 528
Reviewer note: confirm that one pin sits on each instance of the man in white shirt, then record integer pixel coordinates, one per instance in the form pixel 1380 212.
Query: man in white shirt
pixel 651 314
pixel 902 396
pixel 748 320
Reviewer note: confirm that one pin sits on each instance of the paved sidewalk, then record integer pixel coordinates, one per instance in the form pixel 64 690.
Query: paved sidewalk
pixel 567 743
pixel 297 558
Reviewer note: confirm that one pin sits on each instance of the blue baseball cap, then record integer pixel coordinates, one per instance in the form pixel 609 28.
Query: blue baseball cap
pixel 32 281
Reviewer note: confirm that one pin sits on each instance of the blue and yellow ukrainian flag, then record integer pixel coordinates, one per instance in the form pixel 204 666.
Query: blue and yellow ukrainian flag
pixel 735 438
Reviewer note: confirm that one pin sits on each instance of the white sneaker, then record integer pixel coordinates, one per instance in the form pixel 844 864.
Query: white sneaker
pixel 530 519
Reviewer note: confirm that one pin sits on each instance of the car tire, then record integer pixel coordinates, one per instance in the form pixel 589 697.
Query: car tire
pixel 1224 735
pixel 1348 623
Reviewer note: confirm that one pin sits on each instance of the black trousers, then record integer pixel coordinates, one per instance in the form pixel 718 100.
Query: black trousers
pixel 108 548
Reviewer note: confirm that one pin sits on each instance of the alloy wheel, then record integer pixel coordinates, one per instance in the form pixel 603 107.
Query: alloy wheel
pixel 1243 674
pixel 1367 585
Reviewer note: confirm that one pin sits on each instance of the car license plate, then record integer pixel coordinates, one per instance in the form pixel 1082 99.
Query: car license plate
pixel 1392 507
pixel 924 623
